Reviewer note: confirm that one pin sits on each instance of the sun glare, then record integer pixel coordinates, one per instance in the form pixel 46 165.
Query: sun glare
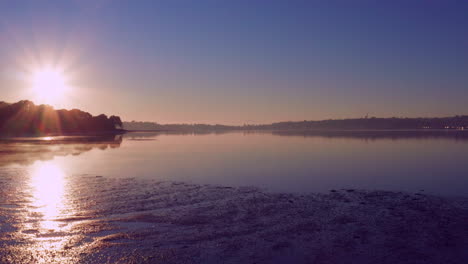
pixel 49 85
pixel 48 182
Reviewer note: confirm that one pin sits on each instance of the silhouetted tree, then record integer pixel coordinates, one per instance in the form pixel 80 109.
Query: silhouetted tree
pixel 26 118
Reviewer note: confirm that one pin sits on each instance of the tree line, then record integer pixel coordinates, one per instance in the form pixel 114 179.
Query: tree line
pixel 26 118
pixel 373 123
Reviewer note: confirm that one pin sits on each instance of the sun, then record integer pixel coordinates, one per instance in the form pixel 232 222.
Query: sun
pixel 49 85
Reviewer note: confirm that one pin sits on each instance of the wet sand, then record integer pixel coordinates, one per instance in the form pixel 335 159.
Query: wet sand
pixel 105 220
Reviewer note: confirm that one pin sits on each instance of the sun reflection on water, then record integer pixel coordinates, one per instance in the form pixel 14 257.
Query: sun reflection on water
pixel 48 184
pixel 44 230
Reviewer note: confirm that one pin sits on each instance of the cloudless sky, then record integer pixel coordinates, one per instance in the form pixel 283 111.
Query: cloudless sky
pixel 243 61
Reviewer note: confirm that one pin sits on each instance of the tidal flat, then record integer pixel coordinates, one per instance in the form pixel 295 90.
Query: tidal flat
pixel 134 220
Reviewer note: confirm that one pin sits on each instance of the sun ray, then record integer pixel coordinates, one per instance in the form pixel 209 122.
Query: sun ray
pixel 49 85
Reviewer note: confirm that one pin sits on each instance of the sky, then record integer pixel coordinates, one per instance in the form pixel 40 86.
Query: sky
pixel 241 61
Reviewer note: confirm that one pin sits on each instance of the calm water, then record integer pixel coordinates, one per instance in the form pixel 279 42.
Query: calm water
pixel 398 161
pixel 150 197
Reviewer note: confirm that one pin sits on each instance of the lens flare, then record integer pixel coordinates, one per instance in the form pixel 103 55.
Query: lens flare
pixel 49 85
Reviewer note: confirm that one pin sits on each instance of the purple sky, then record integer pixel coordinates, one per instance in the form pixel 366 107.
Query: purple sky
pixel 242 61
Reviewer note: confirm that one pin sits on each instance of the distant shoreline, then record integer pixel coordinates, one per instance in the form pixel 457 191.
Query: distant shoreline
pixel 368 123
pixel 274 131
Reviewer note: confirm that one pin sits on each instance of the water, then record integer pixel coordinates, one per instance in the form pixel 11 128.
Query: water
pixel 397 161
pixel 212 198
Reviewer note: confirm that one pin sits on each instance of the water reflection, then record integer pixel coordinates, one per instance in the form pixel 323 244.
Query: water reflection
pixel 311 161
pixel 64 206
pixel 26 151
pixel 39 225
pixel 35 180
pixel 47 184
pixel 375 135
pixel 365 135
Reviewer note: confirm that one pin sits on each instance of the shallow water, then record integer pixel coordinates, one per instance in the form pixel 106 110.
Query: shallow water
pixel 395 161
pixel 152 198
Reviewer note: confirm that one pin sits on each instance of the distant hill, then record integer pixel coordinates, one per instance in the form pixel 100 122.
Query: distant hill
pixel 150 126
pixel 26 118
pixel 373 123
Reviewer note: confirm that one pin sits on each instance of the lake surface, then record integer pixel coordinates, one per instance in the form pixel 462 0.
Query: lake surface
pixel 435 162
pixel 224 198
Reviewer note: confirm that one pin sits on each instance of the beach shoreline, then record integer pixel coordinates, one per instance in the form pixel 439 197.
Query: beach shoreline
pixel 145 221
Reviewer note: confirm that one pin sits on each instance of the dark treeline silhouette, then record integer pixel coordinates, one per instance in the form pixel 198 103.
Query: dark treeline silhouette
pixel 456 122
pixel 26 118
pixel 150 126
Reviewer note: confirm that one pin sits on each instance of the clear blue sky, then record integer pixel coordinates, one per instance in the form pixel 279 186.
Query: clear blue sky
pixel 243 61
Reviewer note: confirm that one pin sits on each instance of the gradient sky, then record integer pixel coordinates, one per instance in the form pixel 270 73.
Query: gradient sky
pixel 239 61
